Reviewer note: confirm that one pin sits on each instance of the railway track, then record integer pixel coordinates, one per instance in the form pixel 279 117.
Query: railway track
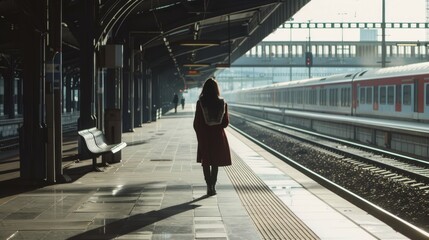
pixel 403 171
pixel 9 153
pixel 396 166
pixel 12 142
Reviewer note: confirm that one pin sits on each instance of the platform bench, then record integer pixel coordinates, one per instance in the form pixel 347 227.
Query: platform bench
pixel 95 144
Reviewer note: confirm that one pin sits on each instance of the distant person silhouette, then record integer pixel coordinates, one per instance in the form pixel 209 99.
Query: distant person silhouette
pixel 175 102
pixel 182 101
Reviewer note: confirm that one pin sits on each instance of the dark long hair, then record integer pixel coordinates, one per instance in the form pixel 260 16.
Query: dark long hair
pixel 209 96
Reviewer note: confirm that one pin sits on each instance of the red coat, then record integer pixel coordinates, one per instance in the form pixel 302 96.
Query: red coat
pixel 213 147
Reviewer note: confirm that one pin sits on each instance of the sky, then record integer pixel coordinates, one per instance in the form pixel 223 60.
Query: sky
pixel 356 11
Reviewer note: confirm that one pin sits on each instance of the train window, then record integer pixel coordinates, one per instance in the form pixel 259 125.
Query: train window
pixel 427 94
pixel 304 96
pixel 313 96
pixel 285 96
pixel 300 96
pixel 382 95
pixel 333 97
pixel 369 95
pixel 390 95
pixel 362 95
pixel 375 98
pixel 345 97
pixel 407 95
pixel 398 94
pixel 349 97
pixel 322 98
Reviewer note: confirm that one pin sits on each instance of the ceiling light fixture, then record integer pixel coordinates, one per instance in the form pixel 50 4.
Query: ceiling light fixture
pixel 196 64
pixel 193 73
pixel 199 43
pixel 222 65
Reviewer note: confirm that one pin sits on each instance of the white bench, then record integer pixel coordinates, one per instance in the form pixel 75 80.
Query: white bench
pixel 96 145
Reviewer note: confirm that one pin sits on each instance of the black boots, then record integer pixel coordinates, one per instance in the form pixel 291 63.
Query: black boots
pixel 211 190
pixel 210 175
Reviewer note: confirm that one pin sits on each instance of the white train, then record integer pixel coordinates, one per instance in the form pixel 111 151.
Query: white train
pixel 395 93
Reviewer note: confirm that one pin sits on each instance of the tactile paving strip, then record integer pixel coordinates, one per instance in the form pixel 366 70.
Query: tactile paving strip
pixel 271 216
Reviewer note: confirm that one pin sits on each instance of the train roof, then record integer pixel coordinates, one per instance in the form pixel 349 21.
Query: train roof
pixel 337 78
pixel 405 70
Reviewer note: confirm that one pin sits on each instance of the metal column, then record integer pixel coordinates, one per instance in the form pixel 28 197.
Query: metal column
pixel 87 61
pixel 53 94
pixel 128 90
pixel 138 89
pixel 32 133
pixel 9 89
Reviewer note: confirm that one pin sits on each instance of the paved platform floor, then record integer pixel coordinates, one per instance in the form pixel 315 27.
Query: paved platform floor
pixel 157 191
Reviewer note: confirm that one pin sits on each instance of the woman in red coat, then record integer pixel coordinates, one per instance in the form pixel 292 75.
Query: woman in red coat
pixel 211 117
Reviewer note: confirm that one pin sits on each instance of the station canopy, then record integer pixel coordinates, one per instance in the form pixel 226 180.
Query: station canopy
pixel 192 38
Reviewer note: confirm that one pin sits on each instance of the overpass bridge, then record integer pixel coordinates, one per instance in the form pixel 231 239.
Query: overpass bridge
pixel 277 61
pixel 342 53
pixel 356 54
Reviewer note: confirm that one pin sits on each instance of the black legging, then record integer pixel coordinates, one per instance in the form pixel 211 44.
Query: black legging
pixel 210 174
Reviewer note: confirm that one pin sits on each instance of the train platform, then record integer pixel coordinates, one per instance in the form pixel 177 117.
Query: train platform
pixel 158 191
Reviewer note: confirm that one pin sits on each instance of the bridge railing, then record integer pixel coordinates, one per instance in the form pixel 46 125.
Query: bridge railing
pixel 334 53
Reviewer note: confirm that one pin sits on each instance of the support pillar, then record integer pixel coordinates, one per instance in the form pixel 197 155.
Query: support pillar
pixel 53 92
pixel 9 90
pixel 147 96
pixel 68 97
pixel 87 67
pixel 155 96
pixel 110 87
pixel 128 91
pixel 32 133
pixel 113 87
pixel 138 104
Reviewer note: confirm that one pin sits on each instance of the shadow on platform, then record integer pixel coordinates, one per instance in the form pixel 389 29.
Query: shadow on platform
pixel 136 222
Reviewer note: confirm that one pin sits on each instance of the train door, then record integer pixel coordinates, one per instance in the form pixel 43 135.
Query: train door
pixel 387 99
pixel 365 100
pixel 426 101
pixel 407 99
